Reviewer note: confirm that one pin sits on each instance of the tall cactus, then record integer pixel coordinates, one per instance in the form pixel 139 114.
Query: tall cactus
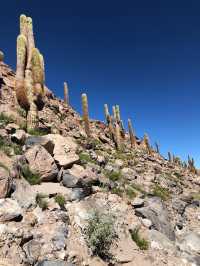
pixel 117 112
pixel 157 148
pixel 106 112
pixel 30 75
pixel 169 156
pixel 1 56
pixel 66 93
pixel 131 134
pixel 86 114
pixel 117 136
pixel 147 145
pixel 114 113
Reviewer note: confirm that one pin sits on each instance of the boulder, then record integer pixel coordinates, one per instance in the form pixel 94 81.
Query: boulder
pixel 41 162
pixel 64 150
pixel 160 241
pixel 70 181
pixel 9 210
pixel 40 140
pixel 32 250
pixel 24 194
pixel 190 242
pixel 5 182
pixel 157 213
pixel 50 189
pixel 19 136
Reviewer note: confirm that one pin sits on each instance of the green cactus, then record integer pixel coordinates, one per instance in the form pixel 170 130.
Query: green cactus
pixel 86 114
pixel 157 148
pixel 131 134
pixel 114 113
pixel 107 115
pixel 117 136
pixel 1 56
pixel 147 145
pixel 169 157
pixel 30 75
pixel 66 93
pixel 117 111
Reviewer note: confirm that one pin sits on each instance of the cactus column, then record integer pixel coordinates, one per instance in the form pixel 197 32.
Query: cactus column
pixel 29 74
pixel 1 56
pixel 66 93
pixel 86 114
pixel 131 134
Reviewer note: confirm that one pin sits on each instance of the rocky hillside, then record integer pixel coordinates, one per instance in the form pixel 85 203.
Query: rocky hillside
pixel 75 191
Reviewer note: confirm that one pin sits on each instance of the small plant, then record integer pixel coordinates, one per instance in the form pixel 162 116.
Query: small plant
pixel 161 192
pixel 32 178
pixel 140 242
pixel 139 188
pixel 21 112
pixel 8 147
pixel 85 158
pixel 60 199
pixel 5 119
pixel 41 201
pixel 100 234
pixel 117 190
pixel 130 192
pixel 113 176
pixel 4 166
pixel 36 132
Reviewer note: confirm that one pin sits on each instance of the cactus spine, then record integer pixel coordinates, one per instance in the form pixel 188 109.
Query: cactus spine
pixel 131 134
pixel 66 93
pixel 30 75
pixel 86 114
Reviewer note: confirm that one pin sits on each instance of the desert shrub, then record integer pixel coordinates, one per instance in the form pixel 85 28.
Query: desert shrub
pixel 32 178
pixel 36 132
pixel 118 191
pixel 5 119
pixel 161 192
pixel 100 234
pixel 41 201
pixel 140 242
pixel 9 147
pixel 113 175
pixel 4 166
pixel 60 199
pixel 130 192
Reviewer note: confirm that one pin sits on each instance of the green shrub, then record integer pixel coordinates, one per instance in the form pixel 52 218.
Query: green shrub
pixel 41 201
pixel 113 176
pixel 60 199
pixel 4 166
pixel 5 119
pixel 21 112
pixel 130 192
pixel 118 191
pixel 100 234
pixel 139 188
pixel 32 178
pixel 36 132
pixel 140 242
pixel 9 147
pixel 161 192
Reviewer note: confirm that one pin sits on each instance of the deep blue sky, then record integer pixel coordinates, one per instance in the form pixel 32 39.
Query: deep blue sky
pixel 143 55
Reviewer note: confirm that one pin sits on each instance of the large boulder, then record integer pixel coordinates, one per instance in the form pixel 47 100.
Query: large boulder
pixel 51 189
pixel 5 182
pixel 24 194
pixel 40 140
pixel 157 213
pixel 9 210
pixel 190 242
pixel 64 151
pixel 41 162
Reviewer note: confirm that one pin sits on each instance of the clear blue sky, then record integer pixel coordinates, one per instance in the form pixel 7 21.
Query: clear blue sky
pixel 143 55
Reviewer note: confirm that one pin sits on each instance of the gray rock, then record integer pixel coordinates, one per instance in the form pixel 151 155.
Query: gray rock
pixel 46 143
pixel 69 181
pixel 79 193
pixel 158 214
pixel 178 205
pixel 41 162
pixel 190 242
pixel 54 263
pixel 137 203
pixel 24 194
pixel 32 250
pixel 160 241
pixel 9 210
pixel 5 182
